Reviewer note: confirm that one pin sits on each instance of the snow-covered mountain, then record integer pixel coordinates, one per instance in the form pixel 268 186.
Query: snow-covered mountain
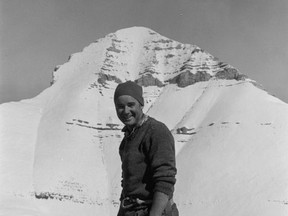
pixel 59 150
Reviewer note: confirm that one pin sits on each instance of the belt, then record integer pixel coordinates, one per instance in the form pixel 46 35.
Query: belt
pixel 129 202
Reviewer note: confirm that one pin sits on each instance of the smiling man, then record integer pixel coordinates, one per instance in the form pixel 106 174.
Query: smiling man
pixel 147 153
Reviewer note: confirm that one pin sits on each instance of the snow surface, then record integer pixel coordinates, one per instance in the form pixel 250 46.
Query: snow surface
pixel 59 150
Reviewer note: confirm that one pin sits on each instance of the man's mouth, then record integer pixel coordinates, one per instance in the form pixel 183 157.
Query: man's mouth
pixel 127 118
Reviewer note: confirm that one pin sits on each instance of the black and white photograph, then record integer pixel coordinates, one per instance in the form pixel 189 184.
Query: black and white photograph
pixel 143 108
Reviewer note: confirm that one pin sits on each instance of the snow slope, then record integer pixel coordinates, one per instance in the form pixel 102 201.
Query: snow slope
pixel 59 150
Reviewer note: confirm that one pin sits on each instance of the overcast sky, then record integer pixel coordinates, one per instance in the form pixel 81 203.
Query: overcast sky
pixel 37 35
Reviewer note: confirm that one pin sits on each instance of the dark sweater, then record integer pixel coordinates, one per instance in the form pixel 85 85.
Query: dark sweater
pixel 148 160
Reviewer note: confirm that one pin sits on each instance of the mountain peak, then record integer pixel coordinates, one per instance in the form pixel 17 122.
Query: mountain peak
pixel 136 31
pixel 141 54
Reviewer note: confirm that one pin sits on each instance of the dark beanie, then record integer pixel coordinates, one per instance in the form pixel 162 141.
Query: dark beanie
pixel 129 88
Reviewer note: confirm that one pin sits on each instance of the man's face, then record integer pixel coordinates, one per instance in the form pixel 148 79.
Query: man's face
pixel 129 110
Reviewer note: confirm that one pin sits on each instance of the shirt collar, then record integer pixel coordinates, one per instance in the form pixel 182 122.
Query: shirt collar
pixel 126 130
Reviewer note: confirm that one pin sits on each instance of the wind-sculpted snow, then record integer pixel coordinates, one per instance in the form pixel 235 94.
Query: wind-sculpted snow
pixel 59 150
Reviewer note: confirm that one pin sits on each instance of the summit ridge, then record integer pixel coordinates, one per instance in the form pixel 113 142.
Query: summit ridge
pixel 149 58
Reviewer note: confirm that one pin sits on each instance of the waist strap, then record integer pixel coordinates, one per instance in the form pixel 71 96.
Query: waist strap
pixel 129 202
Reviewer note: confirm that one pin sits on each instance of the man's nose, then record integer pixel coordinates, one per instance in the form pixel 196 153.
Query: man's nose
pixel 126 109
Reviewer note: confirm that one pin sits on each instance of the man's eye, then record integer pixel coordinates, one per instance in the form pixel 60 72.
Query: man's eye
pixel 131 104
pixel 120 107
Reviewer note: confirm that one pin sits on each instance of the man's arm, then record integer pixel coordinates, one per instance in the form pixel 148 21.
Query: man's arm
pixel 162 162
pixel 159 203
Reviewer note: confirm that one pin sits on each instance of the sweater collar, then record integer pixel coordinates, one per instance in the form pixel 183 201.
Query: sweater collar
pixel 128 132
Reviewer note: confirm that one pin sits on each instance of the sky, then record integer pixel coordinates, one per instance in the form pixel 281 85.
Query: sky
pixel 37 35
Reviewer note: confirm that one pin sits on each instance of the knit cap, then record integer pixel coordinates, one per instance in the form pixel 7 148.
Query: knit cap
pixel 129 88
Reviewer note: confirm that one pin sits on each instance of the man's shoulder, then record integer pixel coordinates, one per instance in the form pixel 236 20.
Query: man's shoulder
pixel 154 124
pixel 159 131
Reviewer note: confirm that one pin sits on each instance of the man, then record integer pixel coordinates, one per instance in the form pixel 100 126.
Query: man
pixel 147 153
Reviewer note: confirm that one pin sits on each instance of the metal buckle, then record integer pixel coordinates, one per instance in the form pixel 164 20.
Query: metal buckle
pixel 132 202
pixel 127 199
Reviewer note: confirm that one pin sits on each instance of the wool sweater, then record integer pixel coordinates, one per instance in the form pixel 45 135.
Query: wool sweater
pixel 148 160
